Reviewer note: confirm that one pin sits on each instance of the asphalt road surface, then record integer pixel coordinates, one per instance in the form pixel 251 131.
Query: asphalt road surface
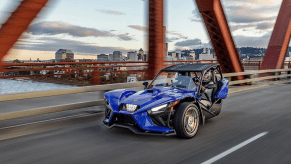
pixel 253 127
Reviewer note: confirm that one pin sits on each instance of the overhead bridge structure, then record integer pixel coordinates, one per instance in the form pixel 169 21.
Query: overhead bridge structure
pixel 214 19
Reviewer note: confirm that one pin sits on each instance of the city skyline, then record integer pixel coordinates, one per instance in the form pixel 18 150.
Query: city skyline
pixel 95 27
pixel 244 52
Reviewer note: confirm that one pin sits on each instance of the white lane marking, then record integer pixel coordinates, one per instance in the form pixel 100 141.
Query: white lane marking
pixel 54 119
pixel 223 154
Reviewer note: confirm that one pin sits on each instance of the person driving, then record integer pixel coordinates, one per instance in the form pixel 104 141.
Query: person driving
pixel 205 95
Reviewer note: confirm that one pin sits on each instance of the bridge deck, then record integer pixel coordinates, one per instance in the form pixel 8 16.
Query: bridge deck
pixel 243 116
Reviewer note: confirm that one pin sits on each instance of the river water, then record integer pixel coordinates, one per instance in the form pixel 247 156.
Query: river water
pixel 12 86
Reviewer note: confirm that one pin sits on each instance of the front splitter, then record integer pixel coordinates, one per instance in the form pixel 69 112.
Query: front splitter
pixel 136 130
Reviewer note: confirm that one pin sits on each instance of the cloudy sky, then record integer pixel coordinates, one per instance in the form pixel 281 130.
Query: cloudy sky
pixel 90 27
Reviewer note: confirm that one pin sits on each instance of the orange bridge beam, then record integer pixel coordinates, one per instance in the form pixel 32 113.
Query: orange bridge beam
pixel 219 33
pixel 17 23
pixel 156 40
pixel 279 42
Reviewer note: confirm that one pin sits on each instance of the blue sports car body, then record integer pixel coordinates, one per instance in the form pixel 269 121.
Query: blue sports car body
pixel 152 111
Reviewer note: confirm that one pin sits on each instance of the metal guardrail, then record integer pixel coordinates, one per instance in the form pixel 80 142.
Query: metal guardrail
pixel 250 79
pixel 59 108
pixel 276 74
pixel 92 73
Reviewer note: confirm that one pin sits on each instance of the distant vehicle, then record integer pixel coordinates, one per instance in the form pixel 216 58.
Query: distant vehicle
pixel 43 72
pixel 178 99
pixel 131 79
pixel 57 72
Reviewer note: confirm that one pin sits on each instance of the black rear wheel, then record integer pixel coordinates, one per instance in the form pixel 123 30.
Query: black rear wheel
pixel 186 120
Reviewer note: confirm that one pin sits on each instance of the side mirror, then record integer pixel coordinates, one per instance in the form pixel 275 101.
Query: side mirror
pixel 210 86
pixel 145 83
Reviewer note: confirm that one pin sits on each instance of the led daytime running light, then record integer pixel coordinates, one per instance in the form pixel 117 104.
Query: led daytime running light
pixel 158 107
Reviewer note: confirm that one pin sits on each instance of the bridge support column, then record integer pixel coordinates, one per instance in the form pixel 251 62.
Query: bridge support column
pixel 156 41
pixel 279 42
pixel 219 33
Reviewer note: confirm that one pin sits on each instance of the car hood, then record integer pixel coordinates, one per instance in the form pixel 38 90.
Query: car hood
pixel 153 97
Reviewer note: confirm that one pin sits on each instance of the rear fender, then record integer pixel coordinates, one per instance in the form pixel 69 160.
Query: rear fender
pixel 223 91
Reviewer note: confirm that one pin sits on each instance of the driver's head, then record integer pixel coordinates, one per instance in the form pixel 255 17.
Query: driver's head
pixel 207 77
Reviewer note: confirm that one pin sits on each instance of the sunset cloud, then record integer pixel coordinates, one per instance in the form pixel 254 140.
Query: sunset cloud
pixel 55 28
pixel 53 44
pixel 111 12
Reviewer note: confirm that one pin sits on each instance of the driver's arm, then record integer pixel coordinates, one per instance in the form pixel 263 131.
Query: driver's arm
pixel 197 83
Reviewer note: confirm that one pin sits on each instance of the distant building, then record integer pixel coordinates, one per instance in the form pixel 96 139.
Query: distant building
pixel 178 54
pixel 141 55
pixel 256 57
pixel 86 60
pixel 205 50
pixel 174 54
pixel 170 58
pixel 117 56
pixel 102 57
pixel 67 60
pixel 63 54
pixel 132 56
pixel 189 58
pixel 192 53
pixel 206 55
pixel 110 57
pixel 182 59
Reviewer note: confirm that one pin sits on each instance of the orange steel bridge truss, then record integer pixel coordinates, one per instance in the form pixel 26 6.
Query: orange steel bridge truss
pixel 279 42
pixel 17 23
pixel 214 19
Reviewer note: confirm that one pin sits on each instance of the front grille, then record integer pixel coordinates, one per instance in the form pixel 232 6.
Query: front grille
pixel 122 118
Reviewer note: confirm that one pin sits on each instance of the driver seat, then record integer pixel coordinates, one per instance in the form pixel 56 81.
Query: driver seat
pixel 210 94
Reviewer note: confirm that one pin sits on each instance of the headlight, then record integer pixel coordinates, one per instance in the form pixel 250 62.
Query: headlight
pixel 157 109
pixel 130 107
pixel 163 108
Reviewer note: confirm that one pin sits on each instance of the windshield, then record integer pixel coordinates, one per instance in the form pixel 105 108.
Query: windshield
pixel 174 79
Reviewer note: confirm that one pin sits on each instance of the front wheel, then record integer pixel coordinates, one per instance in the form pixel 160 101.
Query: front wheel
pixel 186 120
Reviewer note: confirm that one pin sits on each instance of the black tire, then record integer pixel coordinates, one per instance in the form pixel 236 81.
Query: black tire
pixel 186 120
